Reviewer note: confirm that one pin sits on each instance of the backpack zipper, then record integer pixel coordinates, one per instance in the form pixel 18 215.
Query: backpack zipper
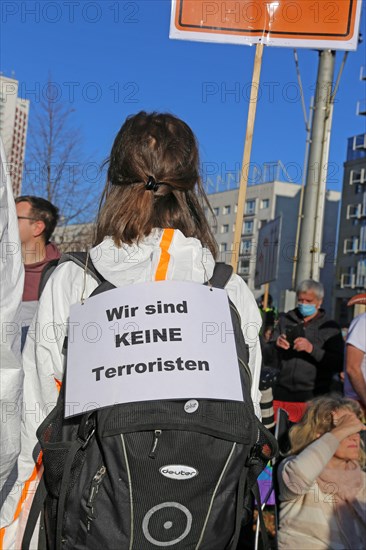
pixel 95 485
pixel 157 434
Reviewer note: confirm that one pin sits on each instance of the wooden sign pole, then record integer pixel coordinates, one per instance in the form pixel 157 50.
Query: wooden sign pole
pixel 246 155
pixel 265 299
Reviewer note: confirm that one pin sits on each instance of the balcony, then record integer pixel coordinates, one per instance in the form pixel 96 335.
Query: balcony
pixel 350 246
pixel 348 280
pixel 362 240
pixel 361 274
pixel 359 142
pixel 248 228
pixel 357 176
pixel 354 211
pixel 356 147
pixel 361 108
pixel 360 281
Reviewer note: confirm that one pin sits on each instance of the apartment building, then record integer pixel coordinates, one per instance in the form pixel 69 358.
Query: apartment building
pixel 14 113
pixel 265 202
pixel 351 256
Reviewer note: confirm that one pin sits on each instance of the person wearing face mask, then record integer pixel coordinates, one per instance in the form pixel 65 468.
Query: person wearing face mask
pixel 310 351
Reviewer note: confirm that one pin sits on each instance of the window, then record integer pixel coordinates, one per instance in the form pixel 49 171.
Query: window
pixel 223 247
pixel 225 228
pixel 226 209
pixel 250 206
pixel 216 210
pixel 246 247
pixel 244 267
pixel 248 227
pixel 264 203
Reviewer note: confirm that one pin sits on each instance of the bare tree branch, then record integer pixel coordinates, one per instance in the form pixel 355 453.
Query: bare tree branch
pixel 56 168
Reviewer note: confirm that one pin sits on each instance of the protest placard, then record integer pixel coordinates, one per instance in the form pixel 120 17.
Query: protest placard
pixel 151 341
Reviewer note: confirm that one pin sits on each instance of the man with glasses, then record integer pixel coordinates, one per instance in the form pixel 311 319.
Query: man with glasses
pixel 37 219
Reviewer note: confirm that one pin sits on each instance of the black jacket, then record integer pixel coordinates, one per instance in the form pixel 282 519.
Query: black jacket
pixel 303 375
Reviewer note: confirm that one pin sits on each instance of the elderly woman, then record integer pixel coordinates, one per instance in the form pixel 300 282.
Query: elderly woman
pixel 322 485
pixel 310 351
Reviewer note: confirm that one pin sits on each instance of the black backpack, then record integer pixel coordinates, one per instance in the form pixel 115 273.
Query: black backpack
pixel 146 475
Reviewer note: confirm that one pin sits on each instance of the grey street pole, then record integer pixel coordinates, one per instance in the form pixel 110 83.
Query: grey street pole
pixel 312 217
pixel 318 255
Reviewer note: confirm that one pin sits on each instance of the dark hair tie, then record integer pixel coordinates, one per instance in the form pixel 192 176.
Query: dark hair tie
pixel 151 184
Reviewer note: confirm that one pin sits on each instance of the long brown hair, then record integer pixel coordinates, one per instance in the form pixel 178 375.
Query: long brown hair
pixel 162 147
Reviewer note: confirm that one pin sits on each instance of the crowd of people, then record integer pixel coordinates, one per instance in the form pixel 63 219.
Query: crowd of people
pixel 151 226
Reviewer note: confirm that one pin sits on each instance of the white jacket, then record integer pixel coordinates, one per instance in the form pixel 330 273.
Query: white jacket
pixel 11 290
pixel 162 255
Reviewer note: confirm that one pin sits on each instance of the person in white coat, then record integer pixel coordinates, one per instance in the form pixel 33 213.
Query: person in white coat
pixel 151 227
pixel 11 289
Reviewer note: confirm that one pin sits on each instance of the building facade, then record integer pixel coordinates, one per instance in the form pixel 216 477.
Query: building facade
pixel 265 202
pixel 14 113
pixel 78 237
pixel 351 256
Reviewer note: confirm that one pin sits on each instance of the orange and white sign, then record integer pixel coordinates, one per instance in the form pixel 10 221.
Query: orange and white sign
pixel 319 24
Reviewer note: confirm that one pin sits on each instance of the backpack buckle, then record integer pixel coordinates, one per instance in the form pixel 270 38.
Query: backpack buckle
pixel 86 430
pixel 260 453
pixel 89 436
pixel 256 456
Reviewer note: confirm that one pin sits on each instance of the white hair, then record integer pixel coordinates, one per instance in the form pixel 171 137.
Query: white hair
pixel 313 286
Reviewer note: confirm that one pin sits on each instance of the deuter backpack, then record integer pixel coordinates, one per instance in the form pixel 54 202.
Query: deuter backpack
pixel 147 475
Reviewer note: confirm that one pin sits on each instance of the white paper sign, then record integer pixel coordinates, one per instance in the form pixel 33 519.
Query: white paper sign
pixel 151 341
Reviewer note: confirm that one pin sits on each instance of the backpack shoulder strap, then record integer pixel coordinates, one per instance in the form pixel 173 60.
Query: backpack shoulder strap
pixel 79 258
pixel 35 511
pixel 221 275
pixel 47 271
pixel 82 259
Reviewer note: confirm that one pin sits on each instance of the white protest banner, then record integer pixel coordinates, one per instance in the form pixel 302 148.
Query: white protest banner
pixel 151 341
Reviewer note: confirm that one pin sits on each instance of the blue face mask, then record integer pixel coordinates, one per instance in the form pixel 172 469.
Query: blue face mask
pixel 306 309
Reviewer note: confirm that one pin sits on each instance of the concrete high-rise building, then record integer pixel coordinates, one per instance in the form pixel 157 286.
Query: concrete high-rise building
pixel 351 256
pixel 265 202
pixel 14 113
